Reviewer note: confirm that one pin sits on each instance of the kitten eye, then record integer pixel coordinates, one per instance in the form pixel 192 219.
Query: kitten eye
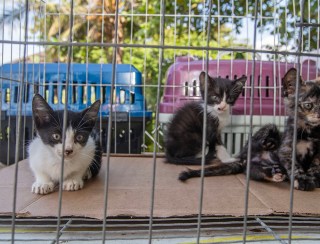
pixel 308 106
pixel 56 136
pixel 215 98
pixel 230 100
pixel 80 138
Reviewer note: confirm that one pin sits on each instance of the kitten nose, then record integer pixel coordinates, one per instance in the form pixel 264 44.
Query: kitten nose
pixel 68 151
pixel 222 106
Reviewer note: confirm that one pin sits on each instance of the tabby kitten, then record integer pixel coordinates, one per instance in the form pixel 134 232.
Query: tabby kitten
pixel 307 160
pixel 183 139
pixel 264 166
pixel 82 153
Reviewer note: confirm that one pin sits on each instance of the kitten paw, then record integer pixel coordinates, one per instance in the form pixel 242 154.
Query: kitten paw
pixel 42 188
pixel 304 184
pixel 269 145
pixel 278 177
pixel 230 160
pixel 72 185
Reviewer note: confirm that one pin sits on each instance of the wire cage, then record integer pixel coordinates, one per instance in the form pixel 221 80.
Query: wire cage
pixel 142 59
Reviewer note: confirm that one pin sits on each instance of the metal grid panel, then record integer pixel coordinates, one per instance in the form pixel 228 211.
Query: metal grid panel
pixel 48 31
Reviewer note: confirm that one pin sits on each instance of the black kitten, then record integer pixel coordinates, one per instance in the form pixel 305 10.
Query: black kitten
pixel 183 139
pixel 264 166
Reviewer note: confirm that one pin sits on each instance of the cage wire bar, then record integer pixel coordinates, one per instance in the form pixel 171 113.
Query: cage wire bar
pixel 151 224
pixel 156 134
pixel 294 141
pixel 204 136
pixel 114 57
pixel 246 204
pixel 18 122
pixel 65 115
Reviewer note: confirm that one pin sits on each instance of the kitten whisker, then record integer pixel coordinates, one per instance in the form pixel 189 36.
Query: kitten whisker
pixel 56 122
pixel 83 128
pixel 84 154
pixel 82 121
pixel 93 163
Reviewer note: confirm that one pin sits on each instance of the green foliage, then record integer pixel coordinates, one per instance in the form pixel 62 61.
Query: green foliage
pixel 291 15
pixel 184 26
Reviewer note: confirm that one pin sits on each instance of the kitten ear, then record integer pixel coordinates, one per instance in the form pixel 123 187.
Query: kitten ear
pixel 241 80
pixel 41 110
pixel 202 79
pixel 91 113
pixel 239 83
pixel 236 89
pixel 289 82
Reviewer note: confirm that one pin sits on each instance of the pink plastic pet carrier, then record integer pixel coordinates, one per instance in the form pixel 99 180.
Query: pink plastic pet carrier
pixel 182 83
pixel 182 86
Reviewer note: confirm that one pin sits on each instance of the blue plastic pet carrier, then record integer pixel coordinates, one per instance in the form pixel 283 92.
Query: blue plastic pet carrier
pixel 87 83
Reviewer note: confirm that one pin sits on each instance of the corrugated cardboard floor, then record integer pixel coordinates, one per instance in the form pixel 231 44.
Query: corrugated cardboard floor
pixel 129 194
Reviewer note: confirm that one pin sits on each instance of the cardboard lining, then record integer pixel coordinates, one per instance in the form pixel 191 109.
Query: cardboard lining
pixel 130 188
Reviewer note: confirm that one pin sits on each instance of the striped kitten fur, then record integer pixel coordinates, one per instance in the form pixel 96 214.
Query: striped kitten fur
pixel 307 161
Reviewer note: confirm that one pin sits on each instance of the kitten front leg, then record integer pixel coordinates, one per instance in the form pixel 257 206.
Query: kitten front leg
pixel 223 155
pixel 273 173
pixel 73 182
pixel 302 181
pixel 43 184
pixel 278 173
pixel 314 170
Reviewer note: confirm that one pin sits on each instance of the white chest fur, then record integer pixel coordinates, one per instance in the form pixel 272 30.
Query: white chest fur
pixel 46 163
pixel 224 120
pixel 223 116
pixel 43 158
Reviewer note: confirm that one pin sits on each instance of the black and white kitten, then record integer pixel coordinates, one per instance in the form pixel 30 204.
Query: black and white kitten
pixel 264 165
pixel 307 160
pixel 82 153
pixel 183 138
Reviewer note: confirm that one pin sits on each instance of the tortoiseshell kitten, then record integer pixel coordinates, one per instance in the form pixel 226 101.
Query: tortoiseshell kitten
pixel 183 138
pixel 264 164
pixel 307 164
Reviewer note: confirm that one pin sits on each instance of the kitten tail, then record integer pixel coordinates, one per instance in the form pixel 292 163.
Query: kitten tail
pixel 214 170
